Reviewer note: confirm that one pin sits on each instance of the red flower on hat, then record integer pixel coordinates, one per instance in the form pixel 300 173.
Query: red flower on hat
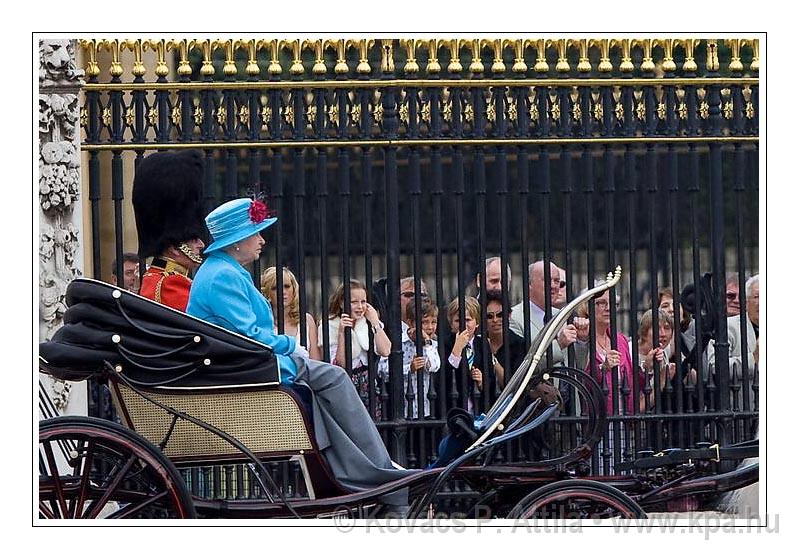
pixel 258 211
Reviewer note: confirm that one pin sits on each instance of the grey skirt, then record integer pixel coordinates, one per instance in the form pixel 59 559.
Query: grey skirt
pixel 345 433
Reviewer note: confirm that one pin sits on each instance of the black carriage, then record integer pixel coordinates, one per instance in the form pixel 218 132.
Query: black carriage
pixel 191 394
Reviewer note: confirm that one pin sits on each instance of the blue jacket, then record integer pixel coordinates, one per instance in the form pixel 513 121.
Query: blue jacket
pixel 223 293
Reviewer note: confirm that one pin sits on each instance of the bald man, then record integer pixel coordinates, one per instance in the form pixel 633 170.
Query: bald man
pixel 493 275
pixel 569 333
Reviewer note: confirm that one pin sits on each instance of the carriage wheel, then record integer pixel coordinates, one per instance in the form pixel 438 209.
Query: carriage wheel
pixel 92 468
pixel 577 499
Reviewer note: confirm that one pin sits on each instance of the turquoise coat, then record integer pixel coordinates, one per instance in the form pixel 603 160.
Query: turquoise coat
pixel 223 293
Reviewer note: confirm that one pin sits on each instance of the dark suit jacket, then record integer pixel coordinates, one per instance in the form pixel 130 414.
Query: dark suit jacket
pixel 458 382
pixel 511 353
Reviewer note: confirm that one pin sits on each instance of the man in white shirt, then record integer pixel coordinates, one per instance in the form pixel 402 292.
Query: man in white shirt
pixel 568 334
pixel 735 358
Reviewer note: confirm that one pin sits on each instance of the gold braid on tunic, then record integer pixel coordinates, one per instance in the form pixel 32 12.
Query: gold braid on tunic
pixel 170 268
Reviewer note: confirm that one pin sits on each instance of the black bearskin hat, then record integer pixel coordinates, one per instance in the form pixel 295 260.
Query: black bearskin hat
pixel 167 200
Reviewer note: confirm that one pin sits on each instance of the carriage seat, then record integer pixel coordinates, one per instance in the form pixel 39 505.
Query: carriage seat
pixel 270 422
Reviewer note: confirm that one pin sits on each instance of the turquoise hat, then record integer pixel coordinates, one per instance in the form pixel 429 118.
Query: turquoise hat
pixel 236 220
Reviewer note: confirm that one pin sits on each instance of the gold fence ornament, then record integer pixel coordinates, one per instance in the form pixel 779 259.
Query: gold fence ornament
pixel 90 48
pixel 182 48
pixel 135 46
pixel 113 47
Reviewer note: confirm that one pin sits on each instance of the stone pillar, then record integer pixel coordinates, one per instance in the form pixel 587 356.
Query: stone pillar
pixel 60 248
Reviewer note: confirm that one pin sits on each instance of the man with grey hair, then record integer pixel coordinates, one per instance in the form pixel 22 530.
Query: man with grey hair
pixel 732 305
pixel 569 334
pixel 736 341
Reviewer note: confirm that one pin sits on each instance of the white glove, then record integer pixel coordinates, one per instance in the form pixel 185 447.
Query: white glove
pixel 300 352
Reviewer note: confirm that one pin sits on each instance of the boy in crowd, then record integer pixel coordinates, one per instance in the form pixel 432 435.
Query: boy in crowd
pixel 426 364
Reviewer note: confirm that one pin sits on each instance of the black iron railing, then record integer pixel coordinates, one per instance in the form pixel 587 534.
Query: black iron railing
pixel 388 159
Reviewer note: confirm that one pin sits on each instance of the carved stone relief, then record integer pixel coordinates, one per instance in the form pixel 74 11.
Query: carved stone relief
pixel 59 189
pixel 57 63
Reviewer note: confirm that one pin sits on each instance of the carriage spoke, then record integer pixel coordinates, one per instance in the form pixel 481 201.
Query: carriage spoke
pixel 59 507
pixel 131 509
pixel 111 473
pixel 86 465
pixel 46 511
pixel 97 506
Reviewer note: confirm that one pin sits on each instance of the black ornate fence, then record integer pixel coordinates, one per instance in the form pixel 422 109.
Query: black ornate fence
pixel 394 158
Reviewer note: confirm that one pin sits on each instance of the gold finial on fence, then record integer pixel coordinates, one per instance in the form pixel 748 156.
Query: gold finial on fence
pixel 626 65
pixel 689 65
pixel 135 46
pixel 668 64
pixel 363 46
pixel 736 60
pixel 249 45
pixel 562 65
pixel 340 47
pixel 583 54
pixel 712 56
pixel 182 46
pixel 541 57
pixel 605 58
pixel 207 68
pixel 647 54
pixel 476 65
pixel 455 63
pixel 519 66
pixel 159 46
pixel 433 66
pixel 387 56
pixel 756 64
pixel 90 47
pixel 294 48
pixel 317 46
pixel 497 46
pixel 229 69
pixel 112 46
pixel 272 45
pixel 410 47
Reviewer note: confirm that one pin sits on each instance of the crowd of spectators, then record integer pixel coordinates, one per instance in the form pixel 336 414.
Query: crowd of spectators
pixel 476 360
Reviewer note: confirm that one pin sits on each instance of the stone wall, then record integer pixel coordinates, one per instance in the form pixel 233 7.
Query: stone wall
pixel 60 250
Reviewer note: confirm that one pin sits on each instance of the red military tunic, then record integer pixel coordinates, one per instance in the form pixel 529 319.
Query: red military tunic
pixel 167 282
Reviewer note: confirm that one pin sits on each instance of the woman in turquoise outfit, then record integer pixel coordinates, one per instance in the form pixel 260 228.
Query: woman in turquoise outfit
pixel 223 293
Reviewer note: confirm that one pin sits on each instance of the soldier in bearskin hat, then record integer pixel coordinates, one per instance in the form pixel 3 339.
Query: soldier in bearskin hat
pixel 169 220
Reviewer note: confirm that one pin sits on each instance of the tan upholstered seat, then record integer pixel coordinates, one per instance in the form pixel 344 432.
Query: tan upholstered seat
pixel 266 421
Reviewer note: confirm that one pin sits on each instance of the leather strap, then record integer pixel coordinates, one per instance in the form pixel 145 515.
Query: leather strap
pixel 744 450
